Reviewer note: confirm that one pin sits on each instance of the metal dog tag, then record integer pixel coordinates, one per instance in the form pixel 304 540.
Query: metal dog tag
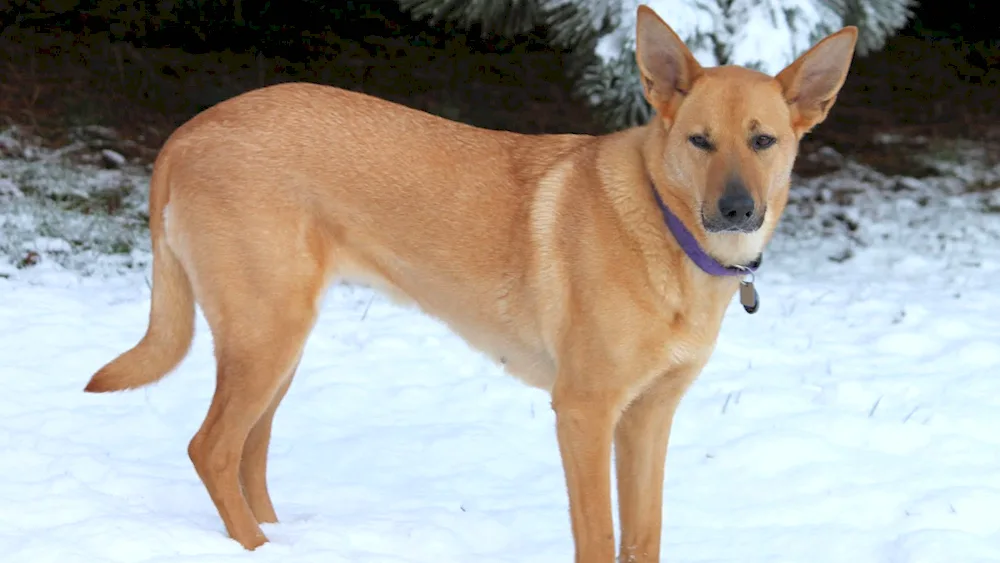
pixel 748 297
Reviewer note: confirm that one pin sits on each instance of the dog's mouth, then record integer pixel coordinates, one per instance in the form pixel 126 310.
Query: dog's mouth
pixel 717 223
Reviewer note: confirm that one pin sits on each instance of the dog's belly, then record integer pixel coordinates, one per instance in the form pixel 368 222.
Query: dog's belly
pixel 500 337
pixel 530 366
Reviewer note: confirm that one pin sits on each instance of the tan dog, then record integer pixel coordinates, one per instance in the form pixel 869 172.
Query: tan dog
pixel 549 252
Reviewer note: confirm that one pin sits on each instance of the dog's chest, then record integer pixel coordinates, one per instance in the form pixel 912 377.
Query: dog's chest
pixel 688 337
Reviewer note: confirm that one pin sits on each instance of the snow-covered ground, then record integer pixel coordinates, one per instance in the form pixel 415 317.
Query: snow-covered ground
pixel 852 420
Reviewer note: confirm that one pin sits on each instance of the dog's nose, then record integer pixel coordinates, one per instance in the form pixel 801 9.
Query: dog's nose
pixel 736 206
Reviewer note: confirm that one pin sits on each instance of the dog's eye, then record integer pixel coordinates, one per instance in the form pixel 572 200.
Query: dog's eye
pixel 701 142
pixel 761 142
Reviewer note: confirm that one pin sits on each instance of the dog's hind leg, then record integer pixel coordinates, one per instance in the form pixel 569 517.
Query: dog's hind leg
pixel 253 468
pixel 261 302
pixel 253 372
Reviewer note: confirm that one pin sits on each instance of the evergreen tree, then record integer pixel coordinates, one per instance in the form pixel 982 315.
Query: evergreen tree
pixel 762 34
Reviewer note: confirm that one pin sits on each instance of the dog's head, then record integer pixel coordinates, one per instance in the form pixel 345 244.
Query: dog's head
pixel 723 140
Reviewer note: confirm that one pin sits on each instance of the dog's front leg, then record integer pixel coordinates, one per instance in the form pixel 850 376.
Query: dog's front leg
pixel 585 423
pixel 640 455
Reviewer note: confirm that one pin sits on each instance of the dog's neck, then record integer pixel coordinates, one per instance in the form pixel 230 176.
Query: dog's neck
pixel 689 244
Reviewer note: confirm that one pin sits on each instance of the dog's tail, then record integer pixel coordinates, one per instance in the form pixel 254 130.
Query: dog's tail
pixel 171 316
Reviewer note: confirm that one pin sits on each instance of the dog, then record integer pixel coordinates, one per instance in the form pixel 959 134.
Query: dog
pixel 598 268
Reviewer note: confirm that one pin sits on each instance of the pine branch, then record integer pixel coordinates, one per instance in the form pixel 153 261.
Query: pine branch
pixel 876 20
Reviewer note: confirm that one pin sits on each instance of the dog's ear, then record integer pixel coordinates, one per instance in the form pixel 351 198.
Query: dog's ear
pixel 811 83
pixel 667 67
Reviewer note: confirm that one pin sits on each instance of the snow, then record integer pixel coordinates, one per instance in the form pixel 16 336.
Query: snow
pixel 853 418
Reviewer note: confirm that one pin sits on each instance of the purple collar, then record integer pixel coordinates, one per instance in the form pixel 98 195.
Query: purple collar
pixel 691 247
